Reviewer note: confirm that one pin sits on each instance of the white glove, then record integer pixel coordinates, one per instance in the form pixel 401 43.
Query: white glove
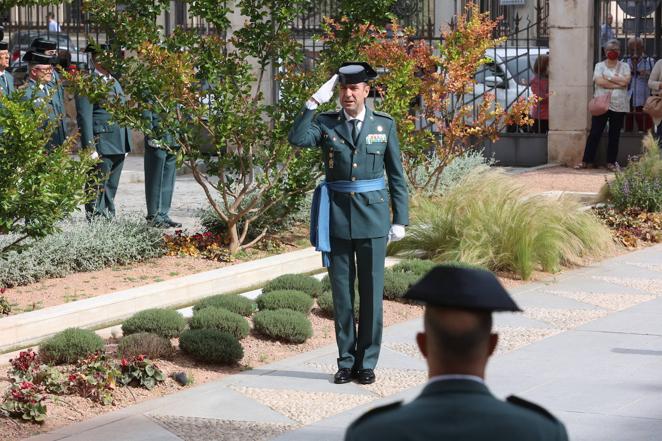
pixel 396 233
pixel 94 155
pixel 324 93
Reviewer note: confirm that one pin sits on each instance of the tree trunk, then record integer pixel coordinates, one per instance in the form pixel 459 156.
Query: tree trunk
pixel 234 238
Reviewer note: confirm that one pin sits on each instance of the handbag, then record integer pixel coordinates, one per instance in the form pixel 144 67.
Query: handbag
pixel 599 105
pixel 653 106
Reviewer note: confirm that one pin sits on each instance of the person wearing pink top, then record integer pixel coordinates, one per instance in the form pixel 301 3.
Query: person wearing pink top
pixel 540 87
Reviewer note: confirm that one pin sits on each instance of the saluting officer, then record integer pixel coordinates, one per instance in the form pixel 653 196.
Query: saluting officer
pixel 40 75
pixel 6 79
pixel 457 341
pixel 350 220
pixel 111 141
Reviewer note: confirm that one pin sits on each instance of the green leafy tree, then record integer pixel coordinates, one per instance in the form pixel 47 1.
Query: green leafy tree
pixel 37 189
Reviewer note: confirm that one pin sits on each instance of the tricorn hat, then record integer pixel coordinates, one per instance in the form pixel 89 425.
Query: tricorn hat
pixel 34 57
pixel 462 287
pixel 354 72
pixel 93 48
pixel 43 44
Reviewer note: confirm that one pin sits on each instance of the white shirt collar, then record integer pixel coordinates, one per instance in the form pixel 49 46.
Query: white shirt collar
pixel 360 116
pixel 456 377
pixel 105 77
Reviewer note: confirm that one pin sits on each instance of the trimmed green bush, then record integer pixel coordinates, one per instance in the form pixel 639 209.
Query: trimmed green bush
pixel 167 323
pixel 296 282
pixel 70 345
pixel 150 345
pixel 396 284
pixel 285 299
pixel 211 346
pixel 283 324
pixel 493 222
pixel 235 303
pixel 221 320
pixel 325 303
pixel 81 246
pixel 416 266
pixel 326 283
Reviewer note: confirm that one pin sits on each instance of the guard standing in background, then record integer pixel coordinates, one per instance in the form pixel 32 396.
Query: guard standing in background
pixel 350 222
pixel 6 79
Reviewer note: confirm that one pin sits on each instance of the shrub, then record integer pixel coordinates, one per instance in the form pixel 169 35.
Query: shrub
pixel 396 284
pixel 285 299
pixel 95 378
pixel 81 246
pixel 471 161
pixel 325 303
pixel 167 323
pixel 211 346
pixel 145 343
pixel 492 222
pixel 416 266
pixel 24 400
pixel 235 303
pixel 70 346
pixel 296 282
pixel 639 185
pixel 221 320
pixel 283 324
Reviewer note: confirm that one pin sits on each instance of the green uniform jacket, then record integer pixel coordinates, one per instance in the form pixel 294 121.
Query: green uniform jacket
pixel 361 215
pixel 95 121
pixel 457 410
pixel 7 85
pixel 37 92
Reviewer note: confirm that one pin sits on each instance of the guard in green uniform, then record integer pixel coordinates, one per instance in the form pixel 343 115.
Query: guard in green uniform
pixel 111 141
pixel 48 47
pixel 6 79
pixel 457 342
pixel 40 74
pixel 160 170
pixel 350 221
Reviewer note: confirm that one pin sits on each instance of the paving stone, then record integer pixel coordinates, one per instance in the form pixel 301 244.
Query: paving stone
pixel 305 407
pixel 565 318
pixel 650 285
pixel 613 302
pixel 207 429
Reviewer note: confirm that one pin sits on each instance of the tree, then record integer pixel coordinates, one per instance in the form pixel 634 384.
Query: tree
pixel 37 189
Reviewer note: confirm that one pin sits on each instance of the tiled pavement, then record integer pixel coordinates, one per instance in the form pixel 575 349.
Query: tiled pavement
pixel 588 347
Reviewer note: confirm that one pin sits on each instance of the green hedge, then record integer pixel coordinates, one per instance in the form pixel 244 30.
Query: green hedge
pixel 396 284
pixel 150 345
pixel 221 320
pixel 295 282
pixel 167 323
pixel 417 266
pixel 285 299
pixel 325 303
pixel 70 345
pixel 211 346
pixel 283 324
pixel 235 303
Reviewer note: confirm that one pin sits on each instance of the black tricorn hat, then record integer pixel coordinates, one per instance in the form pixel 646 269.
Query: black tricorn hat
pixel 462 287
pixel 93 48
pixel 42 44
pixel 4 46
pixel 354 72
pixel 34 57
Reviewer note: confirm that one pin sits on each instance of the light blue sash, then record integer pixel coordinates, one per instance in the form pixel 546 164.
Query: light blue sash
pixel 320 211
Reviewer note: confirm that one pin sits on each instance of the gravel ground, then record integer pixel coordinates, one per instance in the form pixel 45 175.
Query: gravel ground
pixel 305 407
pixel 565 318
pixel 648 266
pixel 205 429
pixel 613 302
pixel 513 338
pixel 653 286
pixel 563 179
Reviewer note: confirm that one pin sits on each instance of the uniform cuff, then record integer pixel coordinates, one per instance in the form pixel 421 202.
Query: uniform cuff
pixel 311 104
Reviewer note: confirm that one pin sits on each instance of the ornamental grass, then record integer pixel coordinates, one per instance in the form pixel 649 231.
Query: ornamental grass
pixel 491 221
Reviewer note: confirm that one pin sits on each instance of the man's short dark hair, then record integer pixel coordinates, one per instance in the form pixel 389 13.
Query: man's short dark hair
pixel 454 346
pixel 50 15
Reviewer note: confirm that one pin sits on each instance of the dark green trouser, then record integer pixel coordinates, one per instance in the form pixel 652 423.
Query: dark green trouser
pixel 365 257
pixel 110 170
pixel 160 168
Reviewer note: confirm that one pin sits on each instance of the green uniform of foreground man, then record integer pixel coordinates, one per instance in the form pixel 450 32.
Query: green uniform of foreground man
pixel 456 343
pixel 351 223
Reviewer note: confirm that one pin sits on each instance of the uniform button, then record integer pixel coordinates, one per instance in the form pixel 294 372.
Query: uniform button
pixel 352 193
pixel 353 178
pixel 355 165
pixel 378 152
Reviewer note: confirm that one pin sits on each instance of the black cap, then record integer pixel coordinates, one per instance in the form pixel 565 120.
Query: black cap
pixel 454 286
pixel 42 44
pixel 4 46
pixel 355 72
pixel 38 58
pixel 93 48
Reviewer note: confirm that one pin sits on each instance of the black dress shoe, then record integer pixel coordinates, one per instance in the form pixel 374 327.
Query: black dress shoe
pixel 157 223
pixel 172 224
pixel 365 376
pixel 344 375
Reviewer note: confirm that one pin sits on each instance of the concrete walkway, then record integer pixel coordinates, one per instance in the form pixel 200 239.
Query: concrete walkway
pixel 588 347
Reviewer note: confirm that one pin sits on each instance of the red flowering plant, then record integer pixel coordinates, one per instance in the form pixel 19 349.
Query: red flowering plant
pixel 208 245
pixel 29 367
pixel 25 400
pixel 142 371
pixel 94 377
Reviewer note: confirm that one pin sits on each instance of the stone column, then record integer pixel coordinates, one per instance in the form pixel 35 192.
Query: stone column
pixel 571 46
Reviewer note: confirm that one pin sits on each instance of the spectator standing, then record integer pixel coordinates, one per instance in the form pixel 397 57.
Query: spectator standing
pixel 540 87
pixel 610 76
pixel 641 66
pixel 655 86
pixel 53 25
pixel 607 31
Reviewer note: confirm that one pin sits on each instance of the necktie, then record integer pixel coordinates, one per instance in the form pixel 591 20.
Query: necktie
pixel 5 86
pixel 355 131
